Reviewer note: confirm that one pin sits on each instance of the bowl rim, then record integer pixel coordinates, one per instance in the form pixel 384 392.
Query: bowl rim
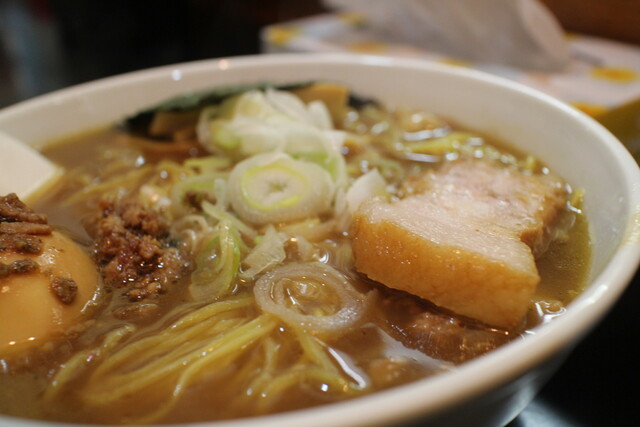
pixel 546 340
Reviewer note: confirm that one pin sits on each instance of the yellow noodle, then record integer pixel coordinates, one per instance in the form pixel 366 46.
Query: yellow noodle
pixel 114 386
pixel 314 350
pixel 314 365
pixel 135 175
pixel 223 357
pixel 300 374
pixel 213 309
pixel 77 363
pixel 167 172
pixel 158 343
pixel 235 343
pixel 154 370
pixel 268 370
pixel 262 369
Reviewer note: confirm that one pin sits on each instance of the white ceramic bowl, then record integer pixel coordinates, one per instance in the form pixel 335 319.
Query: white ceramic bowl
pixel 490 390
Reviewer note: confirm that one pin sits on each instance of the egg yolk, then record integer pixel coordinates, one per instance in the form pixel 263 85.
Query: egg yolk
pixel 31 313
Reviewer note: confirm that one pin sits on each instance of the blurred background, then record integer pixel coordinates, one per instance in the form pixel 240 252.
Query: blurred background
pixel 51 44
pixel 48 44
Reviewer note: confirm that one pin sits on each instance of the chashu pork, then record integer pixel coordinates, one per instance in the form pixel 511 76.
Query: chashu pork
pixel 463 239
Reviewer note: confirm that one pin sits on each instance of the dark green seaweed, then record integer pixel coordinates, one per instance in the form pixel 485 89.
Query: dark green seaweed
pixel 191 101
pixel 139 122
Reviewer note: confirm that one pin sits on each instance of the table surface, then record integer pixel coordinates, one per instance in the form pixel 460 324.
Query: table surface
pixel 46 45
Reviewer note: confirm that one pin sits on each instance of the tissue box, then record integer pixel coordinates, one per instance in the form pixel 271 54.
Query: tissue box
pixel 602 80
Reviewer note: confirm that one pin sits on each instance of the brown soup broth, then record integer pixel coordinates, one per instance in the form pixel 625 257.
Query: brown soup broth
pixel 372 357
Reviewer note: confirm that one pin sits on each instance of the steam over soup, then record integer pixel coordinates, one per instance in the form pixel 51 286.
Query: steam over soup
pixel 257 250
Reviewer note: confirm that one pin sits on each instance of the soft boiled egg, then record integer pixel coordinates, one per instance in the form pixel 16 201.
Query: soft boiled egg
pixel 32 312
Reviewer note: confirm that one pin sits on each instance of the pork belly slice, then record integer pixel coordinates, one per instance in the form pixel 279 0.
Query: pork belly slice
pixel 465 243
pixel 526 205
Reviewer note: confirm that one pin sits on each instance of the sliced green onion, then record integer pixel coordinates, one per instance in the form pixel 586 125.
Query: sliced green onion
pixel 366 187
pixel 274 187
pixel 202 184
pixel 259 122
pixel 224 134
pixel 221 215
pixel 331 161
pixel 312 296
pixel 451 142
pixel 268 253
pixel 217 265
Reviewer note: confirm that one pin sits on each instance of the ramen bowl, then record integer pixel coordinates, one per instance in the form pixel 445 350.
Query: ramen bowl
pixel 494 388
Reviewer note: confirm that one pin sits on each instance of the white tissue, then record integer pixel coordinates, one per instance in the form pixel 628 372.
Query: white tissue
pixel 519 33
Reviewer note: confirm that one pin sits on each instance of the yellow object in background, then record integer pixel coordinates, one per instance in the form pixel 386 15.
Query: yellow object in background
pixel 624 123
pixel 615 74
pixel 593 110
pixel 370 47
pixel 353 19
pixel 281 35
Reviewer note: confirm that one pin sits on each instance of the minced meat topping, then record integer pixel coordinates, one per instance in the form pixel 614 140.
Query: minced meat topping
pixel 21 266
pixel 20 226
pixel 21 243
pixel 64 289
pixel 12 209
pixel 133 245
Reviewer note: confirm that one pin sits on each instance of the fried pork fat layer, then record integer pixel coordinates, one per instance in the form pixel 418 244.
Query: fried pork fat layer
pixel 463 239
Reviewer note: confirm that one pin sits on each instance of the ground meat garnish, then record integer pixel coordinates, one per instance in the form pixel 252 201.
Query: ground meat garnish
pixel 21 243
pixel 24 228
pixel 133 245
pixel 64 289
pixel 447 338
pixel 21 266
pixel 12 209
pixel 24 266
pixel 20 226
pixel 439 335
